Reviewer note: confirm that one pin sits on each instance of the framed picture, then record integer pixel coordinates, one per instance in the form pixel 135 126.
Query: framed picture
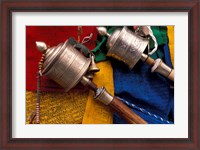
pixel 72 119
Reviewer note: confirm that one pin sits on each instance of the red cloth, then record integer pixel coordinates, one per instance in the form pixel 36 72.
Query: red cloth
pixel 52 36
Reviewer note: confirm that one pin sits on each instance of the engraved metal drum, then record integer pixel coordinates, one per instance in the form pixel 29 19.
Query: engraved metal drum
pixel 65 65
pixel 126 46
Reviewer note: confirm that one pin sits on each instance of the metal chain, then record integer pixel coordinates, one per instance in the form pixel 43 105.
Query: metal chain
pixel 39 74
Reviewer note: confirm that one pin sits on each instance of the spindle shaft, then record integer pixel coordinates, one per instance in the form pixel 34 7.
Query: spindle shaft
pixel 150 61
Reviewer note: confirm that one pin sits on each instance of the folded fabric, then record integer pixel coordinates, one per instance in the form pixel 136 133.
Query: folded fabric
pixel 143 88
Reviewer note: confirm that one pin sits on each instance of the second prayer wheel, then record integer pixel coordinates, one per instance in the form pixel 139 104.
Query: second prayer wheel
pixel 126 46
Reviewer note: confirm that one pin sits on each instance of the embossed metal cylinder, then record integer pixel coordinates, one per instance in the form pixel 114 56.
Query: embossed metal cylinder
pixel 126 46
pixel 65 65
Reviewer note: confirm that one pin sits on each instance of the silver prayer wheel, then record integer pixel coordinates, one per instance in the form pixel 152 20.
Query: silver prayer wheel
pixel 65 65
pixel 126 46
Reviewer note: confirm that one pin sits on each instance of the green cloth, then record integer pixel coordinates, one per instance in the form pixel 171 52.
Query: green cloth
pixel 100 50
pixel 160 32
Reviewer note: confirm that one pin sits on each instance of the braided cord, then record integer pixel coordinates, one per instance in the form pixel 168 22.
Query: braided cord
pixel 144 111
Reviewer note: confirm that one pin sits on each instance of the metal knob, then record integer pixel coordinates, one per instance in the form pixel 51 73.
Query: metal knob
pixel 41 46
pixel 102 31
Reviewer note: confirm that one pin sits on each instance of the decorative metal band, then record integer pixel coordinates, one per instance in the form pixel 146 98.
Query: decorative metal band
pixel 103 96
pixel 161 68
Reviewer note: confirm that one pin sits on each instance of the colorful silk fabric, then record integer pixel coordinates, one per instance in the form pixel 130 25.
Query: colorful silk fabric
pixel 148 94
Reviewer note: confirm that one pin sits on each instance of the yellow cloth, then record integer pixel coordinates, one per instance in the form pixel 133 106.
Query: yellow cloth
pixel 58 107
pixel 96 112
pixel 170 32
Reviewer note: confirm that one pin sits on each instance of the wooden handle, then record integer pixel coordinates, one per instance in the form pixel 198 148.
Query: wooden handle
pixel 171 75
pixel 126 112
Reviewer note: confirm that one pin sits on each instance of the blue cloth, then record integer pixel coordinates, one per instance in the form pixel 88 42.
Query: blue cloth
pixel 144 89
pixel 146 115
pixel 169 63
pixel 167 55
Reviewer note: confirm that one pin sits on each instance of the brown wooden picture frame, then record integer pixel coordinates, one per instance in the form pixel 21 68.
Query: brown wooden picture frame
pixel 190 6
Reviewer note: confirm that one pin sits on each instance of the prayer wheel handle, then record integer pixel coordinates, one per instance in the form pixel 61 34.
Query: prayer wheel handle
pixel 102 95
pixel 125 112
